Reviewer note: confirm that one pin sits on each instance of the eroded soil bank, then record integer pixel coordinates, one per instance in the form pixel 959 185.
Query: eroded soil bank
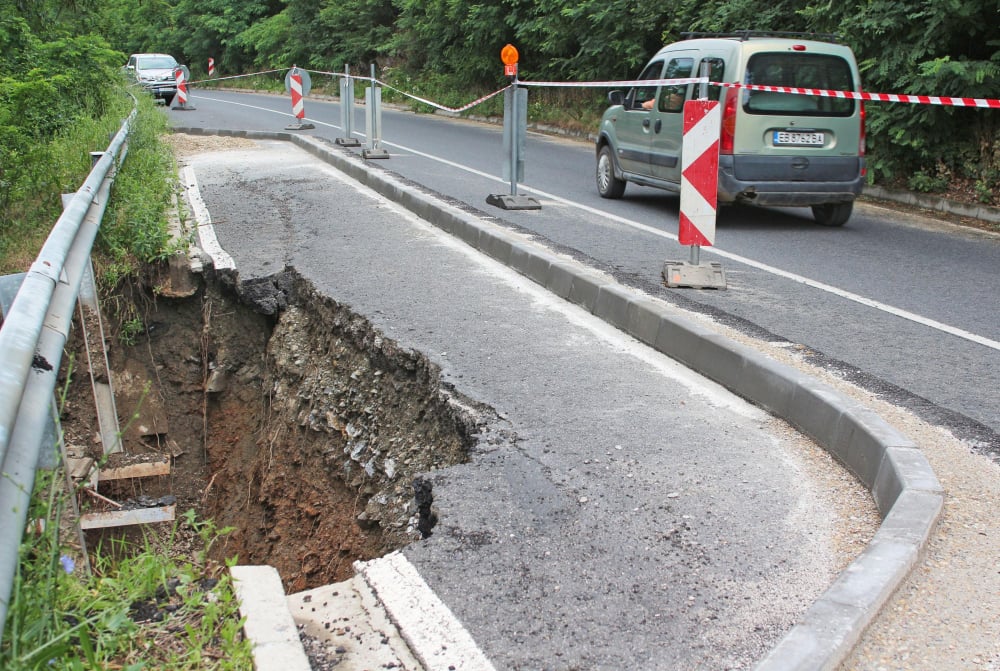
pixel 286 417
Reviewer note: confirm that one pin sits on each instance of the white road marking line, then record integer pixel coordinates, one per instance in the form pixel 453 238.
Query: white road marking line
pixel 857 298
pixel 841 293
pixel 205 229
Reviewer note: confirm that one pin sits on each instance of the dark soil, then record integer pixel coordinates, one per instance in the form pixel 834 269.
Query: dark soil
pixel 285 416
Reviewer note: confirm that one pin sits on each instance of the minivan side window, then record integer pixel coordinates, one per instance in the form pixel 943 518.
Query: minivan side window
pixel 640 94
pixel 716 73
pixel 798 70
pixel 672 97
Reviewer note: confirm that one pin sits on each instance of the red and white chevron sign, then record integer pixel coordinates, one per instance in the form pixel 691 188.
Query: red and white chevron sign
pixel 298 107
pixel 699 172
pixel 182 89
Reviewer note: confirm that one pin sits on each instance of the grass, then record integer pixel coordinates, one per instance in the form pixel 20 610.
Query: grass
pixel 145 606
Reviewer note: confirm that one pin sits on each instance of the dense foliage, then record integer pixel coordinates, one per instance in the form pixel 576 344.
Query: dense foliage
pixel 62 97
pixel 934 47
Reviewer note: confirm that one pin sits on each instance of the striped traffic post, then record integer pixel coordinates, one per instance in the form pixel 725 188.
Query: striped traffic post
pixel 211 67
pixel 699 197
pixel 181 97
pixel 699 174
pixel 298 83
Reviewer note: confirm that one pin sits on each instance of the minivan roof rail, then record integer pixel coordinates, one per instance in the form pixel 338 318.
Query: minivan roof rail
pixel 744 35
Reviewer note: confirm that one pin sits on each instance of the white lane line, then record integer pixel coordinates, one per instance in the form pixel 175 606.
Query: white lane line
pixel 206 232
pixel 713 393
pixel 841 293
pixel 272 111
pixel 857 298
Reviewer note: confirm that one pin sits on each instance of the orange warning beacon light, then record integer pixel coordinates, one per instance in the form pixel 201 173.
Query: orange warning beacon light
pixel 509 57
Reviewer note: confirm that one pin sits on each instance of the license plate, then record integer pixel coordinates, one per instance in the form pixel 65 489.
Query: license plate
pixel 801 138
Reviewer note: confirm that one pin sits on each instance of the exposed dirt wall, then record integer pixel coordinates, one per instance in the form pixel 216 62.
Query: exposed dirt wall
pixel 289 418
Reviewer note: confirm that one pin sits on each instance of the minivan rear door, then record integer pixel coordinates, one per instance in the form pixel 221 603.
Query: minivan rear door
pixel 819 135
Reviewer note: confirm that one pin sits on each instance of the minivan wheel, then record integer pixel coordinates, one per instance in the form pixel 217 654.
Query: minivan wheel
pixel 832 214
pixel 608 185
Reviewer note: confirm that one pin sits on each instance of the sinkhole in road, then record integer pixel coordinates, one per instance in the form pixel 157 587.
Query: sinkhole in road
pixel 289 418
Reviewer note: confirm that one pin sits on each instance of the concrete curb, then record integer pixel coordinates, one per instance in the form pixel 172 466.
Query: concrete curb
pixel 269 624
pixel 905 488
pixel 929 202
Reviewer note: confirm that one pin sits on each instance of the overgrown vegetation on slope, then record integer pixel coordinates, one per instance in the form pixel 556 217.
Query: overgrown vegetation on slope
pixel 149 605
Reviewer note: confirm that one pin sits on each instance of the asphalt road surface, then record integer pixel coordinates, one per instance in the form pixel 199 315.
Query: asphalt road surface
pixel 903 305
pixel 618 510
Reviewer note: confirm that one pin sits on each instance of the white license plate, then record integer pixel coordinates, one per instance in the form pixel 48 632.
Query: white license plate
pixel 803 139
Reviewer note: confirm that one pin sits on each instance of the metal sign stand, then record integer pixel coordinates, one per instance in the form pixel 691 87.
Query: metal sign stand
pixel 515 130
pixel 698 166
pixel 373 121
pixel 347 110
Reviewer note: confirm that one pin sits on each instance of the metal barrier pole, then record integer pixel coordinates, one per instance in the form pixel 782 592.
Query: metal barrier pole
pixel 373 120
pixel 347 110
pixel 515 131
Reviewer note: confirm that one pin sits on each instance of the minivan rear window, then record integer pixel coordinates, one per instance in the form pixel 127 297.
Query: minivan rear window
pixel 798 70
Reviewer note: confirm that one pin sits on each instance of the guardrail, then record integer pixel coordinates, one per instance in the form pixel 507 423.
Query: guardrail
pixel 32 337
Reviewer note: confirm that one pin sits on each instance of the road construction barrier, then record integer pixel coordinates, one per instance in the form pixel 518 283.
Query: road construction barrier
pixel 699 172
pixel 373 120
pixel 347 111
pixel 515 131
pixel 699 197
pixel 211 67
pixel 181 97
pixel 298 83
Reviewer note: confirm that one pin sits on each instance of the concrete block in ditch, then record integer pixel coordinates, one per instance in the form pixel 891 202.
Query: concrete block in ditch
pixel 269 625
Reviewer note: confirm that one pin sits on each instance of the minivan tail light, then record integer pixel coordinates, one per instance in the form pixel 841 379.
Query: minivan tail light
pixel 728 133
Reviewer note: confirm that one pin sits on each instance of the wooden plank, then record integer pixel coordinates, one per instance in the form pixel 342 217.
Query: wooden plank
pixel 121 518
pixel 140 470
pixel 79 468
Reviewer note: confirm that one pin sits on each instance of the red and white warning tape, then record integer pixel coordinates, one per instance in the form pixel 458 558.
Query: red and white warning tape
pixel 613 84
pixel 415 97
pixel 856 95
pixel 877 97
pixel 987 103
pixel 442 107
pixel 251 74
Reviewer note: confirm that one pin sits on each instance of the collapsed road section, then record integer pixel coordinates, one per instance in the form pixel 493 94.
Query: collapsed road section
pixel 287 418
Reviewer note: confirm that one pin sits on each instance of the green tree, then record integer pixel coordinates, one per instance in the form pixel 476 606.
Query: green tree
pixel 927 47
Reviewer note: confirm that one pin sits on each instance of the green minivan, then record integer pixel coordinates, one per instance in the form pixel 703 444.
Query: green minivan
pixel 779 149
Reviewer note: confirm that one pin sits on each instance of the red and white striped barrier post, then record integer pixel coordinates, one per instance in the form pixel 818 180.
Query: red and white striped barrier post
pixel 699 196
pixel 699 174
pixel 181 98
pixel 297 89
pixel 211 67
